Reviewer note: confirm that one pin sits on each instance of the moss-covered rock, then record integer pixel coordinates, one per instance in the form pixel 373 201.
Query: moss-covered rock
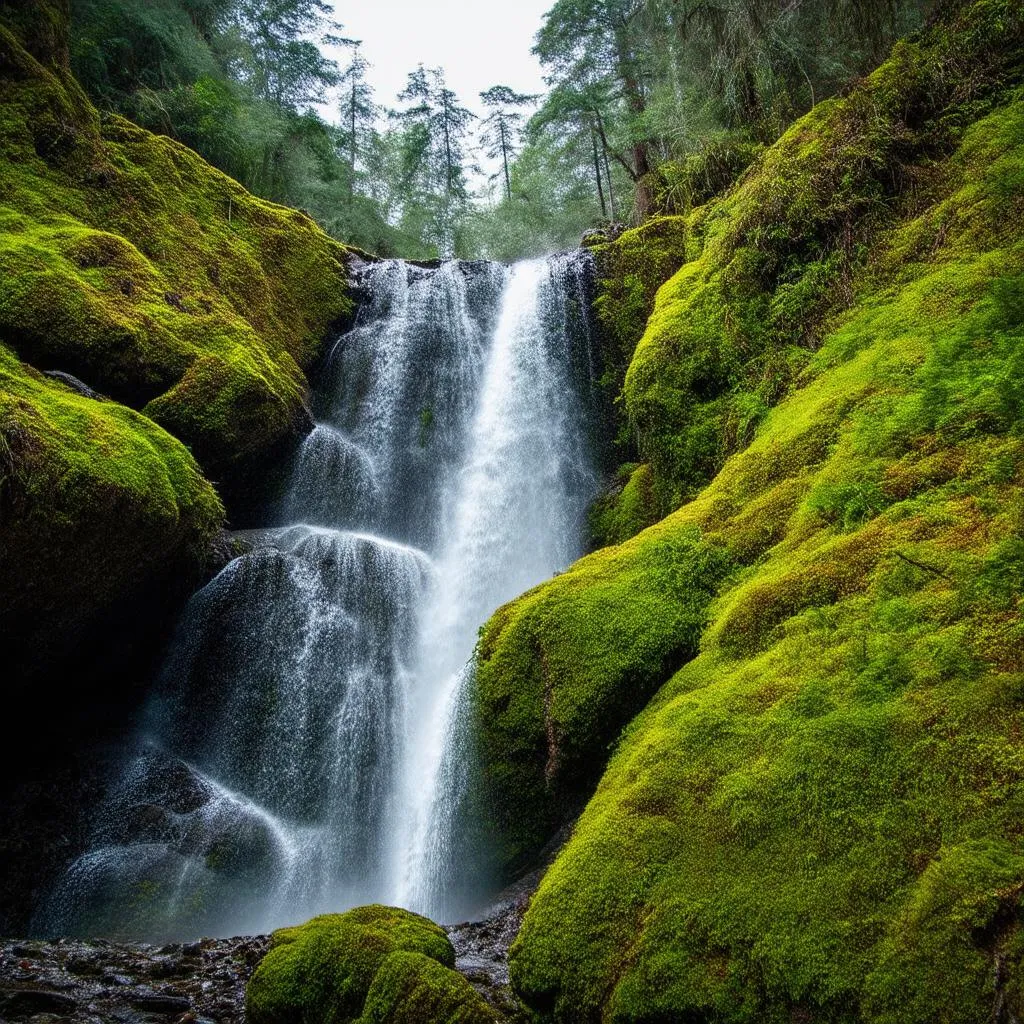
pixel 562 669
pixel 96 503
pixel 817 817
pixel 787 248
pixel 626 508
pixel 411 988
pixel 132 264
pixel 630 270
pixel 373 964
pixel 129 263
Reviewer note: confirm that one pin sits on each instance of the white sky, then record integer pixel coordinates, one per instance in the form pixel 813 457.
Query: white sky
pixel 479 43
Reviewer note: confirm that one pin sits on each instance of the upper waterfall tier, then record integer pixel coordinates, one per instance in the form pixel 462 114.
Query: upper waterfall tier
pixel 303 750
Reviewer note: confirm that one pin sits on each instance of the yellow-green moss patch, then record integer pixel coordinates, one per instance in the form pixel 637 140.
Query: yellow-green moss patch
pixel 95 500
pixel 129 262
pixel 373 964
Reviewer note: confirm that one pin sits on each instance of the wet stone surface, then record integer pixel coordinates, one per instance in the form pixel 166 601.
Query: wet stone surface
pixel 68 981
pixel 481 946
pixel 73 981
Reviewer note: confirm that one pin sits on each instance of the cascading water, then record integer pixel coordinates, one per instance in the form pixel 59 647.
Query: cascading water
pixel 305 750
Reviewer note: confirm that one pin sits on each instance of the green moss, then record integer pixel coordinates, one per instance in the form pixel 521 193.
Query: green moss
pixel 561 670
pixel 411 988
pixel 817 817
pixel 777 257
pixel 373 964
pixel 627 509
pixel 630 271
pixel 69 467
pixel 129 262
pixel 682 185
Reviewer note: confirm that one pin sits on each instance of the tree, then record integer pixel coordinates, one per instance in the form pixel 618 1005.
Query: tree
pixel 576 110
pixel 433 134
pixel 767 61
pixel 598 48
pixel 359 112
pixel 503 126
pixel 279 53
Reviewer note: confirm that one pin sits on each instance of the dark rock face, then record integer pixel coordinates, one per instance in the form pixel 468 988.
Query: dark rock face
pixel 44 824
pixel 74 383
pixel 99 982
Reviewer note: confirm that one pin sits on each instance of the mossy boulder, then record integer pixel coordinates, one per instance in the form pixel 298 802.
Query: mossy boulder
pixel 411 988
pixel 630 270
pixel 562 669
pixel 817 817
pixel 374 965
pixel 129 262
pixel 97 503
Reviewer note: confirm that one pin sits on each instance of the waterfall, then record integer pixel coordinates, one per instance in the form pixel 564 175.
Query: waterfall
pixel 307 748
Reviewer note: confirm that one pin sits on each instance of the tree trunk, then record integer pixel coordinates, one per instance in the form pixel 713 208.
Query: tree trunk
pixel 611 190
pixel 352 149
pixel 607 166
pixel 634 95
pixel 597 174
pixel 504 158
pixel 447 150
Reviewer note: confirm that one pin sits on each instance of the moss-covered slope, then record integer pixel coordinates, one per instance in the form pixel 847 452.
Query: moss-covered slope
pixel 630 271
pixel 817 817
pixel 767 265
pixel 130 263
pixel 372 965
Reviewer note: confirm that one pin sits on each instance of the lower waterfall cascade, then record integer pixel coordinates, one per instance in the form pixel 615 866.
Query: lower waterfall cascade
pixel 307 744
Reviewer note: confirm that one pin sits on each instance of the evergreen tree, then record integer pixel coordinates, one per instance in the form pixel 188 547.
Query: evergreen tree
pixel 359 114
pixel 503 126
pixel 598 48
pixel 433 133
pixel 278 53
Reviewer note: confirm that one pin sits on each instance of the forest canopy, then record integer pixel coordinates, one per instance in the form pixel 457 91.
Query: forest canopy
pixel 652 106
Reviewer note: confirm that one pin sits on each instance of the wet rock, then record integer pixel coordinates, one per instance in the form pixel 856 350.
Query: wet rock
pixel 74 383
pixel 481 946
pixel 30 1001
pixel 161 1002
pixel 68 981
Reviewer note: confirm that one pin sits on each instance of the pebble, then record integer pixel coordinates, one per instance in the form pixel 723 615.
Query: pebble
pixel 68 981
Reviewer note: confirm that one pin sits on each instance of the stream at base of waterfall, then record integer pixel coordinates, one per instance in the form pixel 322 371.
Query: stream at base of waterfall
pixel 306 747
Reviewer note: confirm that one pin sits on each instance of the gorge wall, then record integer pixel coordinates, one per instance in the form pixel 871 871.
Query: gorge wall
pixel 156 325
pixel 186 311
pixel 785 692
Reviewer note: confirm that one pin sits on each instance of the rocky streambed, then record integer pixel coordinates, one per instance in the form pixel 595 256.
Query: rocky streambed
pixel 69 981
pixel 73 981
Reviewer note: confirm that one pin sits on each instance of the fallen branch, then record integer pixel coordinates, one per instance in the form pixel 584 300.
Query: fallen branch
pixel 922 565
